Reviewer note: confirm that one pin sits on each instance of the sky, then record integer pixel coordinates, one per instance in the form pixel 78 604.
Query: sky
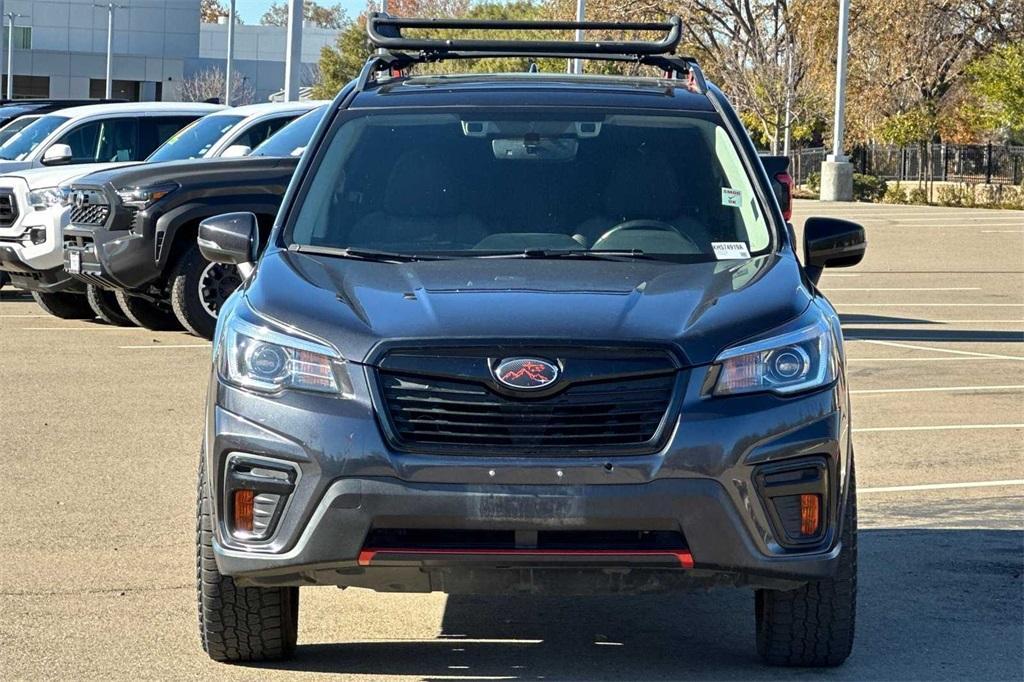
pixel 250 11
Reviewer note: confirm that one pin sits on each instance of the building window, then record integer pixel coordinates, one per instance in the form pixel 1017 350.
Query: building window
pixel 22 37
pixel 27 87
pixel 126 90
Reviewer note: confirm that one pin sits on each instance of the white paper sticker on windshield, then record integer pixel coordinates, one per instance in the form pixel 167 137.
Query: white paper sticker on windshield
pixel 730 250
pixel 731 197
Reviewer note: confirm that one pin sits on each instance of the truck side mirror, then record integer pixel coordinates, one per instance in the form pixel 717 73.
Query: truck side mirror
pixel 57 154
pixel 831 243
pixel 230 238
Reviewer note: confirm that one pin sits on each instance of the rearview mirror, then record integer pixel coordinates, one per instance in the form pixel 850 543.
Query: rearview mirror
pixel 57 154
pixel 230 238
pixel 235 151
pixel 831 243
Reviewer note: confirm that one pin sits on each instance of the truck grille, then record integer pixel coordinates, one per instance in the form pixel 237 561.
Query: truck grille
pixel 90 214
pixel 589 418
pixel 8 208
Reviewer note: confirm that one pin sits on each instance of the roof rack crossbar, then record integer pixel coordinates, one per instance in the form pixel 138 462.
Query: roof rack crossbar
pixel 385 31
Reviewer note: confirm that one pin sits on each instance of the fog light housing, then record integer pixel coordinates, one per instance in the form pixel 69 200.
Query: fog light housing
pixel 795 496
pixel 256 493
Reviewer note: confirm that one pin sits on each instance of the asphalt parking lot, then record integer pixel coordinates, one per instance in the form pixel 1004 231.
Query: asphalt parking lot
pixel 100 428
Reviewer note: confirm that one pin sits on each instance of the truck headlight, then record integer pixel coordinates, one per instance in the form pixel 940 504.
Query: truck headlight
pixel 44 198
pixel 268 361
pixel 143 197
pixel 795 361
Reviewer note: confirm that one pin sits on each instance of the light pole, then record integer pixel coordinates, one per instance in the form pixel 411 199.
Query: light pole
pixel 231 53
pixel 110 45
pixel 836 170
pixel 581 10
pixel 11 16
pixel 293 52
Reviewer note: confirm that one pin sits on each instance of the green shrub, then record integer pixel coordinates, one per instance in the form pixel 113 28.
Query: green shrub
pixel 813 182
pixel 918 195
pixel 950 195
pixel 1013 197
pixel 868 187
pixel 894 194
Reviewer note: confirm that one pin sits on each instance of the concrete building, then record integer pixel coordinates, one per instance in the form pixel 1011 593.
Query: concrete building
pixel 60 49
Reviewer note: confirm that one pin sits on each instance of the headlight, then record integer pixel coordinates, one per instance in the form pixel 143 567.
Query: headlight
pixel 42 199
pixel 142 197
pixel 788 363
pixel 268 361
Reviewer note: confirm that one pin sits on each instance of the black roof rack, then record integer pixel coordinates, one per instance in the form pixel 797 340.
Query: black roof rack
pixel 386 31
pixel 400 52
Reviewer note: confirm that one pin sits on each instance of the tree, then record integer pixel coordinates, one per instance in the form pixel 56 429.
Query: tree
pixel 338 65
pixel 210 11
pixel 997 81
pixel 208 84
pixel 313 12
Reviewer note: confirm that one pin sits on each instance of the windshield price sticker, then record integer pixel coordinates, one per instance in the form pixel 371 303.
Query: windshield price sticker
pixel 730 250
pixel 731 197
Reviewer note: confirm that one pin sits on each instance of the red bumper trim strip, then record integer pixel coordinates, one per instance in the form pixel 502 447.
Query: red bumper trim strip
pixel 684 557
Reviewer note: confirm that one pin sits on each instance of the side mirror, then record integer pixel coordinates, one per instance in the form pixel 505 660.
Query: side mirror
pixel 831 243
pixel 236 150
pixel 230 238
pixel 57 154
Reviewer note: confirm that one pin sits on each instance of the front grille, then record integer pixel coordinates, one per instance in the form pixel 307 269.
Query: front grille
pixel 90 214
pixel 8 209
pixel 615 415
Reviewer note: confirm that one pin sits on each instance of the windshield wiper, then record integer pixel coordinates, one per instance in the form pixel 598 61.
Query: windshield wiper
pixel 360 254
pixel 621 255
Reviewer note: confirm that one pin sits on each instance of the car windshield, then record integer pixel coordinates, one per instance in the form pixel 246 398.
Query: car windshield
pixel 553 184
pixel 194 141
pixel 292 139
pixel 21 145
pixel 8 131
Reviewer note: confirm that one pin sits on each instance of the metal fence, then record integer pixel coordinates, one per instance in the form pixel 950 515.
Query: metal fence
pixel 967 163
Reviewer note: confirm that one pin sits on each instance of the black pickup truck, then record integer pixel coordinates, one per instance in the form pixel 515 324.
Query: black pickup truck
pixel 131 232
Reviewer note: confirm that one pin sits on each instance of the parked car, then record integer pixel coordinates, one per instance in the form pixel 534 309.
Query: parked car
pixel 96 133
pixel 131 232
pixel 30 211
pixel 528 333
pixel 13 109
pixel 231 132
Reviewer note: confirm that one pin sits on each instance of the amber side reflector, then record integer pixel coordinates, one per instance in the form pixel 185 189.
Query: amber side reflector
pixel 243 510
pixel 810 514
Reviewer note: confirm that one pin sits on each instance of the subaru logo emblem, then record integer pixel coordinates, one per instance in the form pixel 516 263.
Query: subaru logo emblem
pixel 80 199
pixel 525 373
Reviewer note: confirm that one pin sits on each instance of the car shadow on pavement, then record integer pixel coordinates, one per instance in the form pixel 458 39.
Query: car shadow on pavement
pixel 851 333
pixel 934 604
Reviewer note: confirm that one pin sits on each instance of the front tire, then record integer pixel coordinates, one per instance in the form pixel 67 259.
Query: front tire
pixel 813 626
pixel 199 289
pixel 238 623
pixel 104 304
pixel 64 305
pixel 146 313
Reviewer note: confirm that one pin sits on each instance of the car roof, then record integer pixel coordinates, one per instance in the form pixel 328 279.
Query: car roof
pixel 250 110
pixel 139 108
pixel 534 89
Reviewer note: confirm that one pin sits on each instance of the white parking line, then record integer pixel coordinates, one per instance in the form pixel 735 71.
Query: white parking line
pixel 1002 231
pixel 166 346
pixel 938 389
pixel 984 359
pixel 1 316
pixel 930 305
pixel 830 289
pixel 94 328
pixel 940 486
pixel 943 427
pixel 941 350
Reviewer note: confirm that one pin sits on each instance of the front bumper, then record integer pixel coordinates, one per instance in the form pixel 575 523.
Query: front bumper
pixel 702 486
pixel 112 259
pixel 37 266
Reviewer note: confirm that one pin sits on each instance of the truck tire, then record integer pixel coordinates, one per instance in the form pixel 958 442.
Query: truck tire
pixel 238 623
pixel 64 305
pixel 146 313
pixel 813 626
pixel 104 303
pixel 199 289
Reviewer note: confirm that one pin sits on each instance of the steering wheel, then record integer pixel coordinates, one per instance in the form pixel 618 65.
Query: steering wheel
pixel 643 224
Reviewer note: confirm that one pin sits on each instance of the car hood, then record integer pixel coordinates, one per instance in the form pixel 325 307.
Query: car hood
pixel 9 167
pixel 699 309
pixel 51 177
